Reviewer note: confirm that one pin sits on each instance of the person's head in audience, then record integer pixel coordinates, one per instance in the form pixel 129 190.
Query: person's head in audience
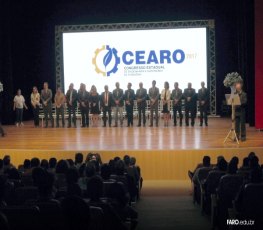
pixel 251 154
pixel 206 161
pixel 98 157
pixel 120 168
pixel 52 162
pixel 7 161
pixel 70 162
pixel 232 167
pixel 88 158
pixel 90 170
pixel 44 164
pixel 133 161
pixel 72 176
pixel 105 171
pixel 78 158
pixel 74 190
pixel 76 212
pixel 235 160
pixel 116 159
pixel 245 162
pixel 62 167
pixel 222 165
pixel 219 158
pixel 127 160
pixel 94 188
pixel 253 162
pixel 13 174
pixel 27 164
pixel 256 175
pixel 35 162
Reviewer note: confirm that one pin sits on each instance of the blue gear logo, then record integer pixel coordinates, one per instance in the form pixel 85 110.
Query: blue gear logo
pixel 110 56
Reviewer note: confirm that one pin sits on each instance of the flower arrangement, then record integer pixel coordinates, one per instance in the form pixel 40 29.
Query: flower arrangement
pixel 231 79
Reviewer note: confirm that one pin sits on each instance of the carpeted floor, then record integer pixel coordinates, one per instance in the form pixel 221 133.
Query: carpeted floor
pixel 168 205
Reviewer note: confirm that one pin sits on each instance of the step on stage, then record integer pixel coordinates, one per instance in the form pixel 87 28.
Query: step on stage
pixel 162 152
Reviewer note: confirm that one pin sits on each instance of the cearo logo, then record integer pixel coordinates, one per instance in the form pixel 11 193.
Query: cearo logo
pixel 106 59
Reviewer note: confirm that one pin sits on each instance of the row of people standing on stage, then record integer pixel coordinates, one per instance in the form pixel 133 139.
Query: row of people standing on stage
pixel 94 103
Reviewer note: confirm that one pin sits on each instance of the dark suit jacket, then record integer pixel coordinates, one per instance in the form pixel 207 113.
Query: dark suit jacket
pixel 203 95
pixel 154 94
pixel 178 96
pixel 46 96
pixel 141 94
pixel 118 97
pixel 239 109
pixel 74 97
pixel 190 93
pixel 83 97
pixel 102 100
pixel 129 97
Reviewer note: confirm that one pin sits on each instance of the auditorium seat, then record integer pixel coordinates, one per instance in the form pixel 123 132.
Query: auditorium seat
pixel 23 194
pixel 23 217
pixel 222 200
pixel 106 188
pixel 96 218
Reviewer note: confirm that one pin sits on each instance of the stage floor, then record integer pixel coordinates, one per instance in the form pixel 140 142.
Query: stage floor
pixel 124 138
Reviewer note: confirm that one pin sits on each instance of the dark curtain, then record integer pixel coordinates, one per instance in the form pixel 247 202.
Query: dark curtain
pixel 27 37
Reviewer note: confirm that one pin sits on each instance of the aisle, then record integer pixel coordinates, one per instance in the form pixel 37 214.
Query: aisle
pixel 168 205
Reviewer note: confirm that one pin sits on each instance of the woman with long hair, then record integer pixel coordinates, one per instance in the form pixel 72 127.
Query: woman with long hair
pixel 94 105
pixel 165 97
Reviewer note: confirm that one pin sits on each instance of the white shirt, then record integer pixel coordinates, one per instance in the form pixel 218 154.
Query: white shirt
pixel 19 101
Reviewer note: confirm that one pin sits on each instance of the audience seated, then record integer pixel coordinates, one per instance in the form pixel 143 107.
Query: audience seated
pixel 69 194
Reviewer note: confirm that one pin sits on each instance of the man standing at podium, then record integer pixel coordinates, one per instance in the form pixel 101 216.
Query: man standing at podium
pixel 203 98
pixel 240 112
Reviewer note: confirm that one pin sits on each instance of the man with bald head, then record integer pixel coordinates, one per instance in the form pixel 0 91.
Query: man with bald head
pixel 141 96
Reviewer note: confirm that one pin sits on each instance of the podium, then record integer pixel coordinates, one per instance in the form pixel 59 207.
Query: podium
pixel 233 100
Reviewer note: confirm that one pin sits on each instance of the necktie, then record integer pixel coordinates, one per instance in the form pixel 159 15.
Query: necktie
pixel 106 98
pixel 128 95
pixel 117 93
pixel 70 95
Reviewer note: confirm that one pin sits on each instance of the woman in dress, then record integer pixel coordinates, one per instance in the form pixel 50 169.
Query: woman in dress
pixel 35 102
pixel 94 105
pixel 165 97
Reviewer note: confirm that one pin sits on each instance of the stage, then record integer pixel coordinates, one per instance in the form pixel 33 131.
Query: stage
pixel 162 152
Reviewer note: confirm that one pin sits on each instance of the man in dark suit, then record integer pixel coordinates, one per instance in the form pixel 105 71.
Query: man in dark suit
pixel 72 101
pixel 106 104
pixel 176 97
pixel 83 98
pixel 118 103
pixel 190 104
pixel 2 133
pixel 203 98
pixel 141 95
pixel 129 97
pixel 154 98
pixel 240 112
pixel 46 98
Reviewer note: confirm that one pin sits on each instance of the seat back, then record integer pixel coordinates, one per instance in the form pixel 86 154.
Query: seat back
pixel 213 179
pixel 229 185
pixel 203 173
pixel 22 217
pixel 23 194
pixel 106 188
pixel 96 218
pixel 253 200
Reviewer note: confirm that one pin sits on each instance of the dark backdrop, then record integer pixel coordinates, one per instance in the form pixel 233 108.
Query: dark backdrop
pixel 27 37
